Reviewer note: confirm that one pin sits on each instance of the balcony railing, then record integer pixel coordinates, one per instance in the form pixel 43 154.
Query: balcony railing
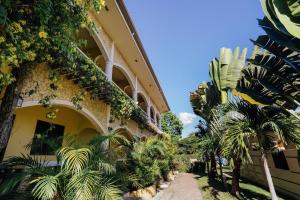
pixel 96 67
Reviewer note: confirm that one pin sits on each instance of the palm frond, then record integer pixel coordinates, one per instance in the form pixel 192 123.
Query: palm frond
pixel 46 187
pixel 74 160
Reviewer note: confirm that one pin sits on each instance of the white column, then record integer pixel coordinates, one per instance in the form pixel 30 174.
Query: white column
pixel 155 121
pixel 110 63
pixel 135 90
pixel 109 72
pixel 148 110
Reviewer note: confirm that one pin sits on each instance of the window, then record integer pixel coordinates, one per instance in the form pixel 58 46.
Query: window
pixel 47 138
pixel 279 159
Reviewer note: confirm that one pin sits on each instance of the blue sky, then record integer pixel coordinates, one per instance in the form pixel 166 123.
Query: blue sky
pixel 181 37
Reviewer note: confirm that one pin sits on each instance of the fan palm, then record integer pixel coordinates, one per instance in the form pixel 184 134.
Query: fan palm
pixel 81 173
pixel 264 123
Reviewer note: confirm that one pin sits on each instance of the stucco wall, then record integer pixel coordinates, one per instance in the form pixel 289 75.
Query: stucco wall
pixel 285 181
pixel 66 91
pixel 25 123
pixel 120 61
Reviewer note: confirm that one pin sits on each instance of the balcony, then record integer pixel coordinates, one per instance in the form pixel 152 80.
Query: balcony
pixel 87 74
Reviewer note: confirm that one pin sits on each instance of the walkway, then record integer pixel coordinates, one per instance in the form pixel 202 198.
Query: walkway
pixel 183 187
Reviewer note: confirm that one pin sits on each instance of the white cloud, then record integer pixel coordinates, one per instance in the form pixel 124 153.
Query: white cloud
pixel 186 118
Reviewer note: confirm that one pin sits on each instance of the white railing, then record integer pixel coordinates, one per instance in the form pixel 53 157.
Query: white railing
pixel 114 84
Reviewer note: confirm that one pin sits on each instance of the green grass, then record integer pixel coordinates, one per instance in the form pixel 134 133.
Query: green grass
pixel 214 190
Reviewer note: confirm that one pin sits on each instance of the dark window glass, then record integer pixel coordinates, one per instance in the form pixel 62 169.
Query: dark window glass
pixel 280 160
pixel 47 138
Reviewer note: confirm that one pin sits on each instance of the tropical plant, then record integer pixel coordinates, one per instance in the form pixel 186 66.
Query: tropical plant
pixel 278 36
pixel 264 123
pixel 80 173
pixel 271 78
pixel 205 98
pixel 226 71
pixel 171 125
pixel 284 15
pixel 151 159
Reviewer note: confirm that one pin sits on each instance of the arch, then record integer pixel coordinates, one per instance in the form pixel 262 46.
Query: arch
pixel 86 135
pixel 121 77
pixel 64 103
pixel 142 101
pixel 125 132
pixel 94 47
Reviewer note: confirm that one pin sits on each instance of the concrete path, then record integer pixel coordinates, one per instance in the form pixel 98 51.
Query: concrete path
pixel 184 187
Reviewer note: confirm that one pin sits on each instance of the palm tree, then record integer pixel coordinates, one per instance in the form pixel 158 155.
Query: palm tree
pixel 225 71
pixel 264 123
pixel 284 16
pixel 81 173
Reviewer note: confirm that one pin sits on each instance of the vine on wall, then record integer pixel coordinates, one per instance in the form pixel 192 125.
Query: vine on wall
pixel 43 31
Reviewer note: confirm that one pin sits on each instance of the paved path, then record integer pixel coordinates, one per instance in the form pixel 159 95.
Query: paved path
pixel 184 187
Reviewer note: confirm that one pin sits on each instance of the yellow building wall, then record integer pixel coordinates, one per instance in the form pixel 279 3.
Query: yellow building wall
pixel 285 181
pixel 76 126
pixel 67 90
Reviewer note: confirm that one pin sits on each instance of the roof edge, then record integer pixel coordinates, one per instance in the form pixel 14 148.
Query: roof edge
pixel 136 37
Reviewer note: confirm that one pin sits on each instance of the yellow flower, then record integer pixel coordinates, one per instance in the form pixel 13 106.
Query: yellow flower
pixel 13 49
pixel 23 22
pixel 79 2
pixel 15 27
pixel 31 55
pixel 94 78
pixel 25 44
pixel 2 39
pixel 43 34
pixel 102 2
pixel 88 20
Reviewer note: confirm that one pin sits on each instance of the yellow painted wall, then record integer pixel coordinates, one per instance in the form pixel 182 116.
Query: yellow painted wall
pixel 25 123
pixel 285 181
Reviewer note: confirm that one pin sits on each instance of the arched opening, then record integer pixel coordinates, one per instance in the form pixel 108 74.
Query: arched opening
pixel 90 48
pixel 31 125
pixel 121 150
pixel 152 114
pixel 85 136
pixel 142 102
pixel 122 81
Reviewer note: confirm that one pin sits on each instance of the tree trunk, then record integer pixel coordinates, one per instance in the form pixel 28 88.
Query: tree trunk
pixel 213 166
pixel 268 176
pixel 207 165
pixel 236 177
pixel 221 168
pixel 7 108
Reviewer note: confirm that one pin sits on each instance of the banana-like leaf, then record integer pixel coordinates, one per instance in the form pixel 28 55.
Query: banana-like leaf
pixel 226 71
pixel 278 36
pixel 205 98
pixel 284 15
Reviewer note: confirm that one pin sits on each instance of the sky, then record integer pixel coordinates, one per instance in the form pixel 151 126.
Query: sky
pixel 182 37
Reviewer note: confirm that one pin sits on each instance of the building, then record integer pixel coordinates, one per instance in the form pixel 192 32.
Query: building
pixel 118 54
pixel 284 167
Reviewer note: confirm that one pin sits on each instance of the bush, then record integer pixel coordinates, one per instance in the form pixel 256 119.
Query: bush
pixel 182 163
pixel 152 159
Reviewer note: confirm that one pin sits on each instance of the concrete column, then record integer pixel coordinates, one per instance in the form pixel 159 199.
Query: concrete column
pixel 110 63
pixel 109 72
pixel 148 110
pixel 135 90
pixel 109 69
